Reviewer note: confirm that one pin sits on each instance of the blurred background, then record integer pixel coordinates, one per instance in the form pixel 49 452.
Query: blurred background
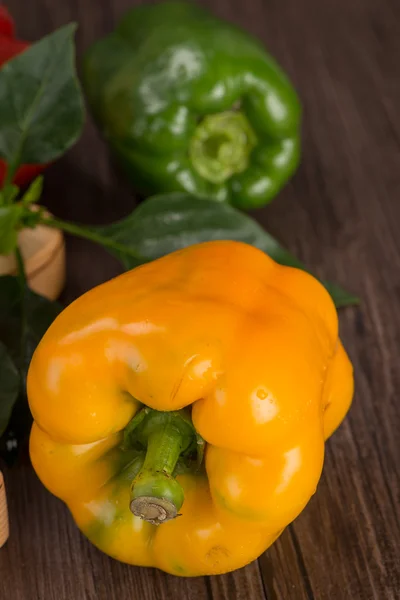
pixel 341 57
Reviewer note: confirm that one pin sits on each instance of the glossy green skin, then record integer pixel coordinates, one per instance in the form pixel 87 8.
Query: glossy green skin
pixel 168 65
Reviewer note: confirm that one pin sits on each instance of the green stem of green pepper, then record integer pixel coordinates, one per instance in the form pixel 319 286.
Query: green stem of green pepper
pixel 221 145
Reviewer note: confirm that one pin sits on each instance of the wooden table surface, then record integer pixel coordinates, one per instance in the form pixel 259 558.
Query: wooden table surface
pixel 341 215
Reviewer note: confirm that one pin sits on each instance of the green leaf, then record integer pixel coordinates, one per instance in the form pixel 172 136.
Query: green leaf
pixel 340 296
pixel 8 194
pixel 41 102
pixel 24 318
pixel 9 387
pixel 166 223
pixel 9 219
pixel 33 192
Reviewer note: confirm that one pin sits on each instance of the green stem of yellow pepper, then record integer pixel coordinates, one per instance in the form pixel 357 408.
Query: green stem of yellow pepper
pixel 156 496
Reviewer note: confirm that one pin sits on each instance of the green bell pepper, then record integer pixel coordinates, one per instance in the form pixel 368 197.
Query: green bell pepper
pixel 189 102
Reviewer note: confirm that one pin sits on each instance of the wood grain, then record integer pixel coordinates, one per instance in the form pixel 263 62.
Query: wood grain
pixel 4 525
pixel 341 215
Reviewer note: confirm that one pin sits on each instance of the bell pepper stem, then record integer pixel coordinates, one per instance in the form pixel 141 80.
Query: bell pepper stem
pixel 221 145
pixel 156 496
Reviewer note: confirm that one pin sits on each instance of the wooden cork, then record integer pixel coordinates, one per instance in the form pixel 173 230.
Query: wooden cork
pixel 4 529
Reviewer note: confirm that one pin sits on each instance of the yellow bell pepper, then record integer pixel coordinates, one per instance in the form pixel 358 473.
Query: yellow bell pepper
pixel 203 383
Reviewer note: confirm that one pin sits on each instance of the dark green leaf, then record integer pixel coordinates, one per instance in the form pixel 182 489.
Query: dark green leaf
pixel 9 219
pixel 166 223
pixel 24 318
pixel 41 102
pixel 9 387
pixel 340 296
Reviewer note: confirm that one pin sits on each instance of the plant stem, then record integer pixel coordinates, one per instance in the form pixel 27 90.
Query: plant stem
pixel 11 170
pixel 91 235
pixel 20 268
pixel 156 495
pixel 221 145
pixel 21 275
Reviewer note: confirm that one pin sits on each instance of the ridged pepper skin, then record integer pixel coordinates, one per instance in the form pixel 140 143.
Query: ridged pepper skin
pixel 191 103
pixel 249 347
